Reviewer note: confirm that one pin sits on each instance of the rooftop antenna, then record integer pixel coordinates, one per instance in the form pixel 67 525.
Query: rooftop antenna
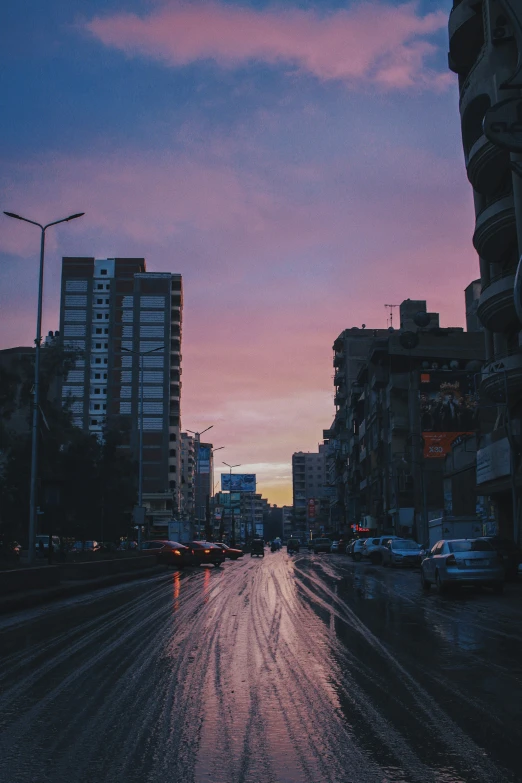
pixel 391 312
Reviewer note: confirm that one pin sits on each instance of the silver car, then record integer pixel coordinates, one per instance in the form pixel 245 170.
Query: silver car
pixel 462 561
pixel 401 552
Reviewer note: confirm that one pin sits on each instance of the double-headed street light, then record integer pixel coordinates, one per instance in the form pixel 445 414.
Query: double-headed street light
pixel 36 395
pixel 141 354
pixel 233 521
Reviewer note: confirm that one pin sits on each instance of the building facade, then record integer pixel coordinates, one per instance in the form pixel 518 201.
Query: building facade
pixel 126 323
pixel 485 51
pixel 310 501
pixel 414 396
pixel 187 510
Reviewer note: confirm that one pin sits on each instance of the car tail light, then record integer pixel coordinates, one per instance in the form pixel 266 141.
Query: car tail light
pixel 176 551
pixel 451 560
pixel 207 551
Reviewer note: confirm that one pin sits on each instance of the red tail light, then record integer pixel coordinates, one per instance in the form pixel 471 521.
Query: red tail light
pixel 207 551
pixel 451 561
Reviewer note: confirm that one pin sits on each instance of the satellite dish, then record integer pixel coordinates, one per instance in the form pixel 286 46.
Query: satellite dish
pixel 409 340
pixel 454 364
pixel 421 319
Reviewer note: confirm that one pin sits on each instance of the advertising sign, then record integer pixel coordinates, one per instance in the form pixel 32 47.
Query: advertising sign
pixel 227 498
pixel 448 410
pixel 494 461
pixel 311 508
pixel 238 482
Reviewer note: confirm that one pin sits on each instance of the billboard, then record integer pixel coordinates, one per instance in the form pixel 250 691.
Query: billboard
pixel 227 498
pixel 448 410
pixel 311 508
pixel 238 482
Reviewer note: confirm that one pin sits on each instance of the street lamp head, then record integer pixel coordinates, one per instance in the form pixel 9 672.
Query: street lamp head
pixel 12 214
pixel 76 215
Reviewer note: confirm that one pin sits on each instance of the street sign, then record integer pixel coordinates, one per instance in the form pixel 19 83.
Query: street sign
pixel 503 124
pixel 138 515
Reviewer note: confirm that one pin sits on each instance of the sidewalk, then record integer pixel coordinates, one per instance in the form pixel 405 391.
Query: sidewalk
pixel 31 598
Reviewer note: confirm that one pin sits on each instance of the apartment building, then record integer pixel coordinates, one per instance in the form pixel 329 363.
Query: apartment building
pixel 126 323
pixel 485 51
pixel 414 396
pixel 309 477
pixel 187 476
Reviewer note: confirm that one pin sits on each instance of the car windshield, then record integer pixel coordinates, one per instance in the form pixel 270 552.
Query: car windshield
pixel 470 546
pixel 404 544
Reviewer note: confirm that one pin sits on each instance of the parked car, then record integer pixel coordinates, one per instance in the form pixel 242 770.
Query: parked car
pixel 462 561
pixel 168 552
pixel 321 545
pixel 293 545
pixel 334 547
pixel 511 554
pixel 343 546
pixel 45 542
pixel 373 548
pixel 205 553
pixel 230 552
pixel 357 548
pixel 401 552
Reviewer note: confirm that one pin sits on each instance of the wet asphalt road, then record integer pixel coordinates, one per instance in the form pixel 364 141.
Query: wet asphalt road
pixel 303 669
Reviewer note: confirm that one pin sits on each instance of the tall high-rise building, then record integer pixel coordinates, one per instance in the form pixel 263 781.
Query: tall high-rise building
pixel 188 452
pixel 125 321
pixel 485 51
pixel 308 484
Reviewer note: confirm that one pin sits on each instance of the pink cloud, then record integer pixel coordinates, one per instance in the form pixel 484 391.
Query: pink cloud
pixel 371 43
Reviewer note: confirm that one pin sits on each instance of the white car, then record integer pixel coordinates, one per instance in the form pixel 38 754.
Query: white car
pixel 401 552
pixel 335 546
pixel 373 548
pixel 357 548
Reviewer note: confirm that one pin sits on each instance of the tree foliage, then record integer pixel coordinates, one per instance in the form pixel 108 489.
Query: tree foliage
pixel 87 486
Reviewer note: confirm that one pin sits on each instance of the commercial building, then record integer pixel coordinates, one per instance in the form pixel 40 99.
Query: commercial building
pixel 126 322
pixel 413 397
pixel 187 509
pixel 485 51
pixel 309 477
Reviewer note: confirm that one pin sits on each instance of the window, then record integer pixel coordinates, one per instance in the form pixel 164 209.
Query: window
pixel 99 301
pixel 99 287
pixel 470 546
pixel 104 407
pixel 172 453
pixel 172 468
pixel 104 376
pixel 105 360
pixel 96 391
pixel 172 436
pixel 106 316
pixel 94 422
pixel 97 406
pixel 97 361
pixel 97 375
pixel 98 345
pixel 98 316
pixel 105 331
pixel 103 271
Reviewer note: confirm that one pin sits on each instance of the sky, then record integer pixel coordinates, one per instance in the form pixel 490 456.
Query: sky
pixel 299 163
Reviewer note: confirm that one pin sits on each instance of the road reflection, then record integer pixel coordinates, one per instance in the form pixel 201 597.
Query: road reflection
pixel 176 589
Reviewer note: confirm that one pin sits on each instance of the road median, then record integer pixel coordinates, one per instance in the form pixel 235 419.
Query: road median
pixel 27 587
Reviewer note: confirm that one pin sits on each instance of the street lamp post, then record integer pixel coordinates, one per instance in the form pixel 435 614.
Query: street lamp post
pixel 36 395
pixel 233 525
pixel 141 354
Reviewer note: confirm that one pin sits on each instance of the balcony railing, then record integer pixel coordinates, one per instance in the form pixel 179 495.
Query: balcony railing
pixel 496 306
